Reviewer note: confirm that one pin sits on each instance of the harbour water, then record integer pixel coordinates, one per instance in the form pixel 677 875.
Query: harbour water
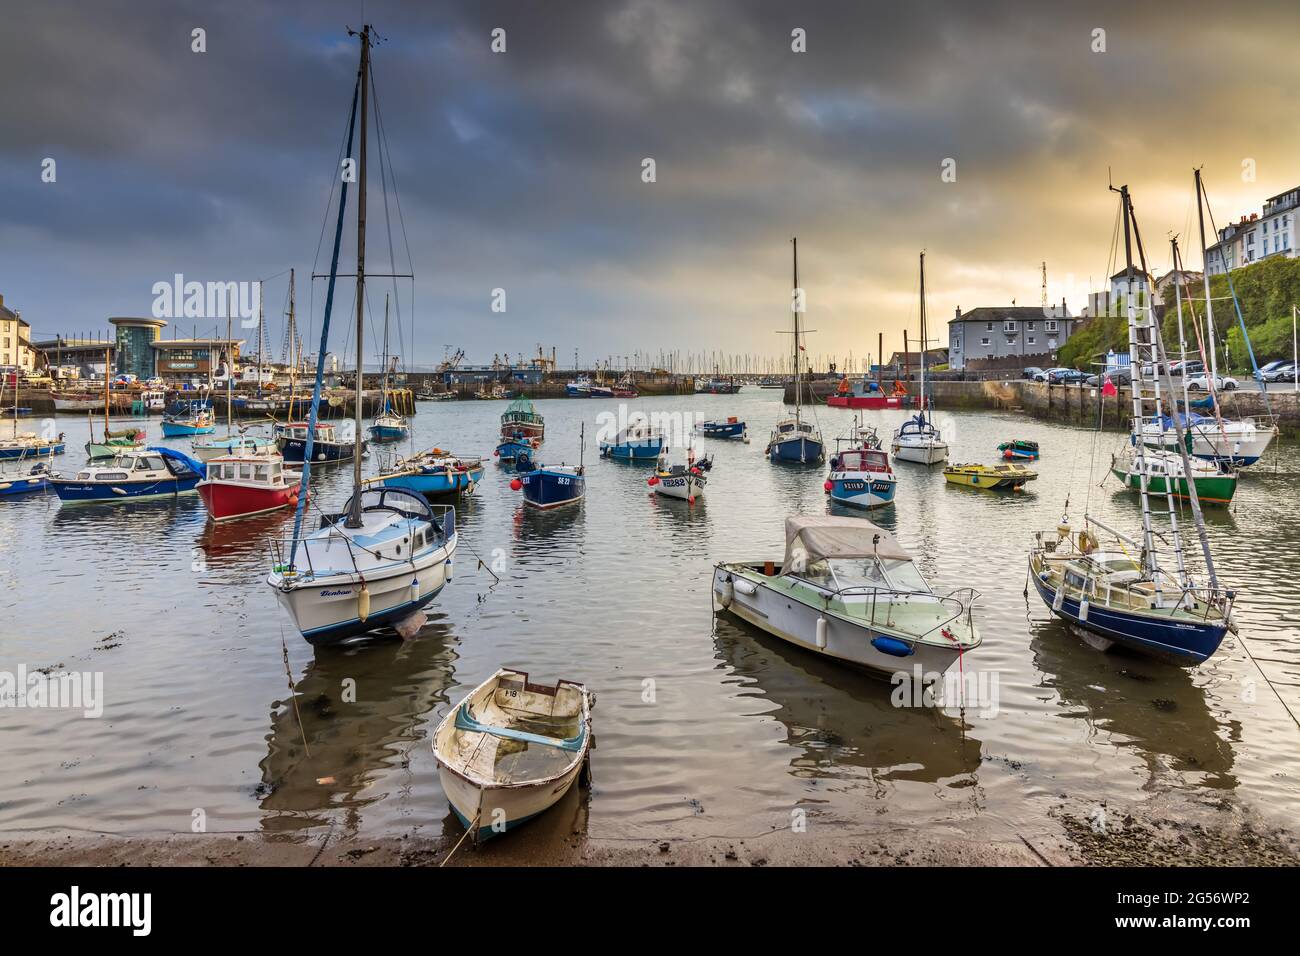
pixel 703 726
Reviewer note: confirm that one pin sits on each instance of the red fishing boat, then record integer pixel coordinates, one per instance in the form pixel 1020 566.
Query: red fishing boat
pixel 246 484
pixel 866 393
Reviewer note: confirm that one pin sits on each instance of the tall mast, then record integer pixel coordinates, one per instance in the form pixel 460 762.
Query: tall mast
pixel 384 399
pixel 294 357
pixel 261 336
pixel 794 302
pixel 230 375
pixel 106 396
pixel 1205 277
pixel 354 517
pixel 923 403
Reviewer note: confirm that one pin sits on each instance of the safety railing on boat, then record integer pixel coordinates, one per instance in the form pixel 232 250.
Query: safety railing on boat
pixel 281 547
pixel 946 601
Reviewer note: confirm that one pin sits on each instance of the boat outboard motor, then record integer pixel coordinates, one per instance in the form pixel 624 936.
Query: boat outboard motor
pixel 523 461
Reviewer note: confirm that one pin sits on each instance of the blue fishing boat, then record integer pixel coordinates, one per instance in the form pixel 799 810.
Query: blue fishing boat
pixel 133 474
pixel 326 447
pixel 731 428
pixel 23 476
pixel 549 486
pixel 389 428
pixel 432 473
pixel 512 448
pixel 194 419
pixel 27 445
pixel 522 420
pixel 860 475
pixel 639 441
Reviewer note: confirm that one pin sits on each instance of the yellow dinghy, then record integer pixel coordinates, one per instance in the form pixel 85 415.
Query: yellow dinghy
pixel 990 476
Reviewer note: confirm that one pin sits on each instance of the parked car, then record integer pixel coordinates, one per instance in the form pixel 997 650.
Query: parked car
pixel 1032 373
pixel 1192 368
pixel 1119 376
pixel 1046 374
pixel 1222 383
pixel 1065 376
pixel 1278 372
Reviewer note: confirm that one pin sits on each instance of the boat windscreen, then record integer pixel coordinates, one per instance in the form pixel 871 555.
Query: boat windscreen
pixel 877 573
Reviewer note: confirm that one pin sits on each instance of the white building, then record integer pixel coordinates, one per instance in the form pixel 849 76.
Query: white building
pixel 1257 236
pixel 15 340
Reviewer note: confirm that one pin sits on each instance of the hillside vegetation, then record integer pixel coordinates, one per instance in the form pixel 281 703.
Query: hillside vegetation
pixel 1265 290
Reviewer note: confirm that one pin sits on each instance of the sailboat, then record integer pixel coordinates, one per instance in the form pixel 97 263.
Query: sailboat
pixel 115 441
pixel 793 439
pixel 1113 589
pixel 27 445
pixel 1230 442
pixel 389 552
pixel 243 444
pixel 917 439
pixel 389 426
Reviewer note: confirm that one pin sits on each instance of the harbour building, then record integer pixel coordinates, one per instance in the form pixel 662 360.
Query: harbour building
pixel 135 339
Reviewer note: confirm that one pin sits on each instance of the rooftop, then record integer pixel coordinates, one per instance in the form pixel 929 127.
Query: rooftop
pixel 991 313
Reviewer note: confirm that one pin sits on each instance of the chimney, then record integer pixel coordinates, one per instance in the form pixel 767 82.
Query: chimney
pixel 958 311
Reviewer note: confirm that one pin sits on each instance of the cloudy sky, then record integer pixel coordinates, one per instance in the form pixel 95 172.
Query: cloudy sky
pixel 523 170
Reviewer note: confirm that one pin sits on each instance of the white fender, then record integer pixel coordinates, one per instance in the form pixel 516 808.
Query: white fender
pixel 748 588
pixel 821 633
pixel 725 591
pixel 363 603
pixel 1060 597
pixel 1083 610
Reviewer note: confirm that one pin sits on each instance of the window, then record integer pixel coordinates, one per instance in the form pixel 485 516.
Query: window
pixel 984 341
pixel 1009 325
pixel 1030 340
pixel 1031 325
pixel 1050 325
pixel 988 327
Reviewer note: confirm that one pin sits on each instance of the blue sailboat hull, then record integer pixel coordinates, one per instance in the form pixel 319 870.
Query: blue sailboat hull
pixel 24 486
pixel 549 489
pixel 9 454
pixel 797 450
pixel 1183 643
pixel 387 433
pixel 122 490
pixel 177 430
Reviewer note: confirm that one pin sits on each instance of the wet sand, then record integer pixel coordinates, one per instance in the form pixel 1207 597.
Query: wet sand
pixel 1207 837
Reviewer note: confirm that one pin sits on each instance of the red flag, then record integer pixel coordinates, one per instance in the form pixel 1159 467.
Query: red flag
pixel 1109 388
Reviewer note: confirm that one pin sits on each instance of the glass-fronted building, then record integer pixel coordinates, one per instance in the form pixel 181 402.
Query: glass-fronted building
pixel 135 345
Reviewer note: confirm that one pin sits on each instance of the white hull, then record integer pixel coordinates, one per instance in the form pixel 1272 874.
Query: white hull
pixel 684 487
pixel 772 610
pixel 1242 441
pixel 321 604
pixel 920 452
pixel 78 405
pixel 506 806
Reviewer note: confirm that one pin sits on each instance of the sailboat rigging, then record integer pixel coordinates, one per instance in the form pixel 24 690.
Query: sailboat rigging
pixel 794 440
pixel 917 439
pixel 389 552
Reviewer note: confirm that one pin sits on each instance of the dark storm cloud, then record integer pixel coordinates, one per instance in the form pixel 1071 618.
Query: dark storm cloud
pixel 522 170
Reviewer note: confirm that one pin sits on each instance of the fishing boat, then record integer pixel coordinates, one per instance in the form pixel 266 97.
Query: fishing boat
pixel 1111 588
pixel 1166 472
pixel 917 439
pixel 625 387
pixel 1019 449
pixel 433 473
pixel 639 441
pixel 684 481
pixel 243 484
pixel 849 591
pixel 25 475
pixel 550 486
pixel 733 427
pixel 512 448
pixel 511 750
pixel 579 387
pixel 78 402
pixel 389 552
pixel 868 393
pixel 521 420
pixel 326 446
pixel 194 419
pixel 860 474
pixel 492 392
pixel 150 473
pixel 993 477
pixel 717 385
pixel 388 426
pixel 771 382
pixel 794 440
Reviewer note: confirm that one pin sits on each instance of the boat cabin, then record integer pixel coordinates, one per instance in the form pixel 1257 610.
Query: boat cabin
pixel 790 426
pixel 126 467
pixel 260 470
pixel 862 460
pixel 298 430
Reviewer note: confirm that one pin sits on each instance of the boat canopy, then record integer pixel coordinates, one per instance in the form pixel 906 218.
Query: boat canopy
pixel 810 538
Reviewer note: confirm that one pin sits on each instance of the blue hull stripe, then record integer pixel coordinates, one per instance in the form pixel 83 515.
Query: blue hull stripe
pixel 338 632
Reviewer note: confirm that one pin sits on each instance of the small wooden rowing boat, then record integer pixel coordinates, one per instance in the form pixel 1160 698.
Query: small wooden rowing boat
pixel 989 476
pixel 511 750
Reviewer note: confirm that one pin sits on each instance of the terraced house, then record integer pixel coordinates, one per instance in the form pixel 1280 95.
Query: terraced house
pixel 1008 337
pixel 15 340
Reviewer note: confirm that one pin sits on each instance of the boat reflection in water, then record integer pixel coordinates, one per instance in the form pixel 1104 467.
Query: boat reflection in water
pixel 841 723
pixel 1154 710
pixel 359 743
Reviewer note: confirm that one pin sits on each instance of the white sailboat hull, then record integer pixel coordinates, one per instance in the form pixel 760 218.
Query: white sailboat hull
pixel 1243 442
pixel 326 609
pixel 922 452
